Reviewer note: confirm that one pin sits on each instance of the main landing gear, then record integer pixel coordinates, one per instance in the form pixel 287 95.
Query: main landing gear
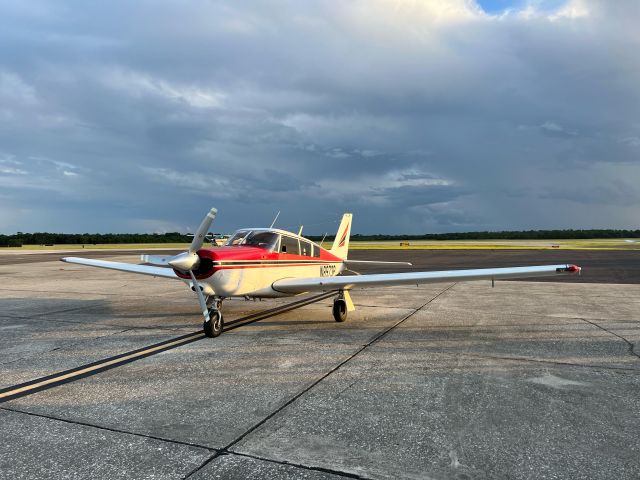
pixel 341 305
pixel 213 327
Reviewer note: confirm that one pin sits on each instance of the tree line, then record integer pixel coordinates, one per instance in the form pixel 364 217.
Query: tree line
pixel 508 235
pixel 46 238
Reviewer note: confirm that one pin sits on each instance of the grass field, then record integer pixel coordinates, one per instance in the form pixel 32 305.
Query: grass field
pixel 588 244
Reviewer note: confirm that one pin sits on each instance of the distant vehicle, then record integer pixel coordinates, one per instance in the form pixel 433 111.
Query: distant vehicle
pixel 219 239
pixel 216 239
pixel 269 262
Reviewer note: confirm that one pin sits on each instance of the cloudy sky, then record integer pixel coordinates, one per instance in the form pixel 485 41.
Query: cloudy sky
pixel 416 115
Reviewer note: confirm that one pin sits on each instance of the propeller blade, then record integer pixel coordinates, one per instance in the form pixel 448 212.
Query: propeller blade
pixel 186 260
pixel 203 229
pixel 201 299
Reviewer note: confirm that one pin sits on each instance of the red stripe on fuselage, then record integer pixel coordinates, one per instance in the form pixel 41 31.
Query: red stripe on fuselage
pixel 230 267
pixel 242 253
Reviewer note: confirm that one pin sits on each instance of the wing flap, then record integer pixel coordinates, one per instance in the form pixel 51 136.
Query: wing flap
pixel 124 267
pixel 300 285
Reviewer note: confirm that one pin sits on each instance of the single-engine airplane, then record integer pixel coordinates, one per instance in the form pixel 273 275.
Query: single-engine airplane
pixel 269 262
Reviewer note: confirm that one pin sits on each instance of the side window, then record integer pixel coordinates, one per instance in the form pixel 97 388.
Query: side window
pixel 305 248
pixel 289 245
pixel 316 251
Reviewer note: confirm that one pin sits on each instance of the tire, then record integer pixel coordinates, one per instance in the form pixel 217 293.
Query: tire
pixel 213 327
pixel 340 310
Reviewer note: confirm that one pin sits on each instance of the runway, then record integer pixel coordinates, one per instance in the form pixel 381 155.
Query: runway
pixel 443 381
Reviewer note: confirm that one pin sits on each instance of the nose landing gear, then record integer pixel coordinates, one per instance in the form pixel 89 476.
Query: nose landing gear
pixel 213 327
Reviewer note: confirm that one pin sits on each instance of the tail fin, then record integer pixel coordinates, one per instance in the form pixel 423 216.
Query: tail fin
pixel 340 246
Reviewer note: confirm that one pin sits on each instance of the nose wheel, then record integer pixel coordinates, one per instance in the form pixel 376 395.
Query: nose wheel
pixel 213 327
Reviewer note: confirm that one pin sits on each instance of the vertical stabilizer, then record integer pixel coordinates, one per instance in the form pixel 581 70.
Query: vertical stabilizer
pixel 340 246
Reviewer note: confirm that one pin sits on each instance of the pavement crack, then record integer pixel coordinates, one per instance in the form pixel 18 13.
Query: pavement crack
pixel 346 388
pixel 629 343
pixel 300 465
pixel 67 345
pixel 205 463
pixel 227 449
pixel 549 362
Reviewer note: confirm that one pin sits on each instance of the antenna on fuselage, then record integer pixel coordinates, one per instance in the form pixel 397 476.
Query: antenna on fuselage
pixel 274 220
pixel 300 231
pixel 323 237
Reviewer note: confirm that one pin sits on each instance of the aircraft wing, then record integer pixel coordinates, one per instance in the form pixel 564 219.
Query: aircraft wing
pixel 374 262
pixel 124 267
pixel 347 282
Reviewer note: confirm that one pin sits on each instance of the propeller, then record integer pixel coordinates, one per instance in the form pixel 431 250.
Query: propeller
pixel 189 260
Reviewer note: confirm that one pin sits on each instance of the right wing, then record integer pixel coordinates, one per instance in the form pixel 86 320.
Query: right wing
pixel 347 282
pixel 124 267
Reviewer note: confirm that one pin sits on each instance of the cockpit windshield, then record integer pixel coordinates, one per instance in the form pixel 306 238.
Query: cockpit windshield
pixel 237 238
pixel 266 240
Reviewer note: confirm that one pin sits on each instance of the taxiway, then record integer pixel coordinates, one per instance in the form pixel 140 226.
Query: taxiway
pixel 529 379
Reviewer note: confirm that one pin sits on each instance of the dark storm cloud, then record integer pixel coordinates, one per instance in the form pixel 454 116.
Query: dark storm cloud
pixel 418 116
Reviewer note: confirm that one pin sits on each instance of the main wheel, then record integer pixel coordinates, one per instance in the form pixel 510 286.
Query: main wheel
pixel 340 310
pixel 213 327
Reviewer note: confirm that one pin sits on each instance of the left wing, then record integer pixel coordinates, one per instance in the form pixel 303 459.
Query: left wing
pixel 347 282
pixel 125 267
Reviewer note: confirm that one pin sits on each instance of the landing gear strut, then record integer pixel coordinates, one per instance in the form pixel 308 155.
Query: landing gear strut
pixel 213 327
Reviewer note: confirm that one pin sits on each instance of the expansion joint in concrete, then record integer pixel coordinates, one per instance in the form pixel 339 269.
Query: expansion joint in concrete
pixel 108 429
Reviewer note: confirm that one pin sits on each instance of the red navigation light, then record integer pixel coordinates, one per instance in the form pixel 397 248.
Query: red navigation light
pixel 573 269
